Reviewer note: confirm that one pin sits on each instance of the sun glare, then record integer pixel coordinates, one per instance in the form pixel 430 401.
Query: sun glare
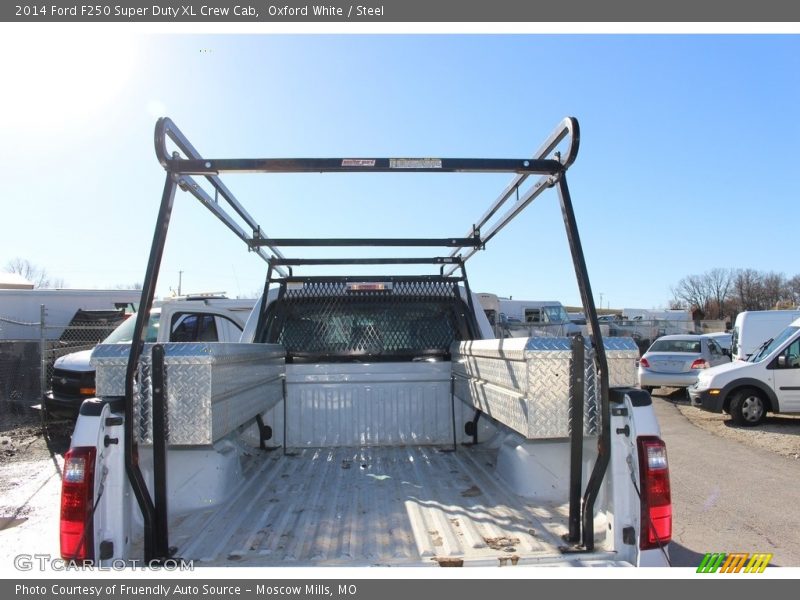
pixel 55 79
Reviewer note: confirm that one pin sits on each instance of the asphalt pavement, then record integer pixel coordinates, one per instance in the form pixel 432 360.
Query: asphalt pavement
pixel 728 497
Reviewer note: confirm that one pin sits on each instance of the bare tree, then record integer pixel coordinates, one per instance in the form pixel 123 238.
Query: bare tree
pixel 709 292
pixel 757 290
pixel 793 290
pixel 745 285
pixel 725 292
pixel 676 304
pixel 693 291
pixel 36 275
pixel 129 286
pixel 719 283
pixel 773 289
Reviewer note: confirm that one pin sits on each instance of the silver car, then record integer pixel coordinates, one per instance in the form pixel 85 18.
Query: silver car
pixel 676 360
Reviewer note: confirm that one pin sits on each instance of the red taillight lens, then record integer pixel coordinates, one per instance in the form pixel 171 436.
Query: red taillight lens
pixel 700 363
pixel 77 495
pixel 644 363
pixel 656 497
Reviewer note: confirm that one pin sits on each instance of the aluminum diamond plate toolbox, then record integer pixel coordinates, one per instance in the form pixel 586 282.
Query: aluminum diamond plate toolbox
pixel 211 388
pixel 524 382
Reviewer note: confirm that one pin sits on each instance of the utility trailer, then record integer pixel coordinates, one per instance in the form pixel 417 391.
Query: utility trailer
pixel 368 420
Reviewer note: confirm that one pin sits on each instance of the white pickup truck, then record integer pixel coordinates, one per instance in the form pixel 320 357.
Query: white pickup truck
pixel 189 319
pixel 368 420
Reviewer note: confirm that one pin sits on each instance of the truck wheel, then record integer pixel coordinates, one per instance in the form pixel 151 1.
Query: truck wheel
pixel 748 407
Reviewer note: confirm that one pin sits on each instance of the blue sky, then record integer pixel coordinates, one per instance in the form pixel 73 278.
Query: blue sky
pixel 688 155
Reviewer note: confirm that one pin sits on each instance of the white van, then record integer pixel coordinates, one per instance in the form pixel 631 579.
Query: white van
pixel 768 382
pixel 754 327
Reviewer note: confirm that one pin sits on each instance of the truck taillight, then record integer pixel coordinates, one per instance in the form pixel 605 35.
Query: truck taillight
pixel 656 516
pixel 77 495
pixel 700 363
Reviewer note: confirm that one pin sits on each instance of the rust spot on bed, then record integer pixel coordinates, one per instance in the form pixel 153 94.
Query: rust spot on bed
pixel 449 562
pixel 506 544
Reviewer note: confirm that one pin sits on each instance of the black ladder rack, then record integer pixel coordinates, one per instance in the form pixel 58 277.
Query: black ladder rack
pixel 186 163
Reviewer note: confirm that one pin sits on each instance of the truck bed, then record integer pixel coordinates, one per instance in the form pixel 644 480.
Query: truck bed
pixel 374 506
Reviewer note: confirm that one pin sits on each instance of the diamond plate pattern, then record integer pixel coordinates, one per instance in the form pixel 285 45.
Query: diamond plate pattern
pixel 110 362
pixel 504 373
pixel 504 405
pixel 548 376
pixel 549 344
pixel 211 389
pixel 590 414
pixel 508 348
pixel 524 383
pixel 622 344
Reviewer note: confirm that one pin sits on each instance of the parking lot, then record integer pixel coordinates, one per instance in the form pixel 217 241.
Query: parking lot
pixel 731 486
pixel 779 434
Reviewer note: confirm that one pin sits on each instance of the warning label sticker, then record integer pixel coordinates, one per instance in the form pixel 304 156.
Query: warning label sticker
pixel 415 163
pixel 358 162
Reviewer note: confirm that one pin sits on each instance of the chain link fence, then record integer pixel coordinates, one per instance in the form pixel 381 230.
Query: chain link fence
pixel 26 360
pixel 644 333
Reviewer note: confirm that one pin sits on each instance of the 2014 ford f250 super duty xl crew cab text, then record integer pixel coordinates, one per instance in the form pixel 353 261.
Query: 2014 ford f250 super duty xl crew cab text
pixel 368 420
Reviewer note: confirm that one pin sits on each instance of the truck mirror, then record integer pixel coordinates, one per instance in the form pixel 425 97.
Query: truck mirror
pixel 782 362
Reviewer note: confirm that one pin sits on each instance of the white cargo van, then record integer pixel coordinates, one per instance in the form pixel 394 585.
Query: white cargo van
pixel 754 327
pixel 768 382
